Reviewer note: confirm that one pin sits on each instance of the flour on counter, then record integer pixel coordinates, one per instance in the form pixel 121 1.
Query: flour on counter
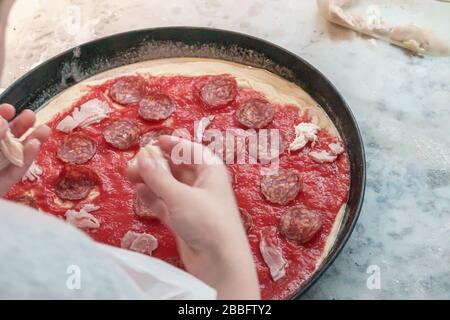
pixel 408 36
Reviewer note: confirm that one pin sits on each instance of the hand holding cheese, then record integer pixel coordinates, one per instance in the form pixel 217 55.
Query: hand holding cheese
pixel 196 202
pixel 16 156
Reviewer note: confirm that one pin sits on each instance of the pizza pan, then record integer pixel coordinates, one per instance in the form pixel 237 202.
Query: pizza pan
pixel 50 78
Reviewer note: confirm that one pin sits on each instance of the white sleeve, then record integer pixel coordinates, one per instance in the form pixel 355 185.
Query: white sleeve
pixel 45 258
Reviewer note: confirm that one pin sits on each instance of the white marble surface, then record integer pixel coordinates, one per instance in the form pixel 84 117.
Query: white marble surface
pixel 400 102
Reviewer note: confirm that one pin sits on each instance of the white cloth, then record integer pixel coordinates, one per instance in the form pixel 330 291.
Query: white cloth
pixel 40 256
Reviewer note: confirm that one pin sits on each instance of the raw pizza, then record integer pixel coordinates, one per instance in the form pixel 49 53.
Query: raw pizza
pixel 291 216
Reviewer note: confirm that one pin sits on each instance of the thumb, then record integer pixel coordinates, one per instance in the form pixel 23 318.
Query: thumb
pixel 160 180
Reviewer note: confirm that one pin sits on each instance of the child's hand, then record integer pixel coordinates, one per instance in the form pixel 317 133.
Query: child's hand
pixel 12 174
pixel 197 203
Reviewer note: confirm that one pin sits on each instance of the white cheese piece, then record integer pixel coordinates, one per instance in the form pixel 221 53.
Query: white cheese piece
pixel 33 173
pixel 11 151
pixel 90 112
pixel 139 242
pixel 272 253
pixel 83 219
pixel 324 156
pixel 304 132
pixel 154 152
pixel 201 127
pixel 336 148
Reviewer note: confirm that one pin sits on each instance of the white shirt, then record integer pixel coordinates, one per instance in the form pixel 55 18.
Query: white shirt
pixel 42 257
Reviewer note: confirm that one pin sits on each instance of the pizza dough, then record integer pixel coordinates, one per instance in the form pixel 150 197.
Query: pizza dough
pixel 275 89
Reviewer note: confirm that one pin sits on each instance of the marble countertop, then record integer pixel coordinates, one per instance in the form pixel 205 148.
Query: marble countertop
pixel 401 103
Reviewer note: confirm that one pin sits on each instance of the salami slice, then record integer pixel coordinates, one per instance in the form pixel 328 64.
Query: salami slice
pixel 122 134
pixel 281 188
pixel 156 107
pixel 127 90
pixel 141 209
pixel 77 149
pixel 152 136
pixel 26 200
pixel 75 182
pixel 218 92
pixel 246 218
pixel 300 224
pixel 255 113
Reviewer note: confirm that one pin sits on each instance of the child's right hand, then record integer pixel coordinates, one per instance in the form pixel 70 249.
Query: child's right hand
pixel 197 203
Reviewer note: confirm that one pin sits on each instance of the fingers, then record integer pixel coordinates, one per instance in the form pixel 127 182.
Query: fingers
pixel 31 149
pixel 182 151
pixel 42 133
pixel 160 181
pixel 152 201
pixel 22 123
pixel 7 111
pixel 3 128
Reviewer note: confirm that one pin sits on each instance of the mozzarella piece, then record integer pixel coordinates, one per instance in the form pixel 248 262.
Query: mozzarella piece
pixel 90 112
pixel 201 127
pixel 33 173
pixel 327 156
pixel 11 151
pixel 272 253
pixel 139 242
pixel 154 152
pixel 83 219
pixel 322 156
pixel 336 148
pixel 304 132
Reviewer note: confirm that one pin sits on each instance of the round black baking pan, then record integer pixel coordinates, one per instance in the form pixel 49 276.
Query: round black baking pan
pixel 50 78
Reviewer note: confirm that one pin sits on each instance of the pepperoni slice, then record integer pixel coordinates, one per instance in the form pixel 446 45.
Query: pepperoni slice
pixel 218 92
pixel 77 149
pixel 255 113
pixel 246 218
pixel 156 107
pixel 75 182
pixel 281 188
pixel 122 134
pixel 141 209
pixel 127 90
pixel 300 224
pixel 26 200
pixel 152 136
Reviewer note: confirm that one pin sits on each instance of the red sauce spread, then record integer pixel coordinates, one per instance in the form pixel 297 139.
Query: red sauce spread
pixel 325 186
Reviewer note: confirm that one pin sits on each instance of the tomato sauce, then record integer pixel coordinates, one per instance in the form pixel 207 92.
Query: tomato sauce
pixel 325 186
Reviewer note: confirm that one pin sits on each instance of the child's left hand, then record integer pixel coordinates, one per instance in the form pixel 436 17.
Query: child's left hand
pixel 26 120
